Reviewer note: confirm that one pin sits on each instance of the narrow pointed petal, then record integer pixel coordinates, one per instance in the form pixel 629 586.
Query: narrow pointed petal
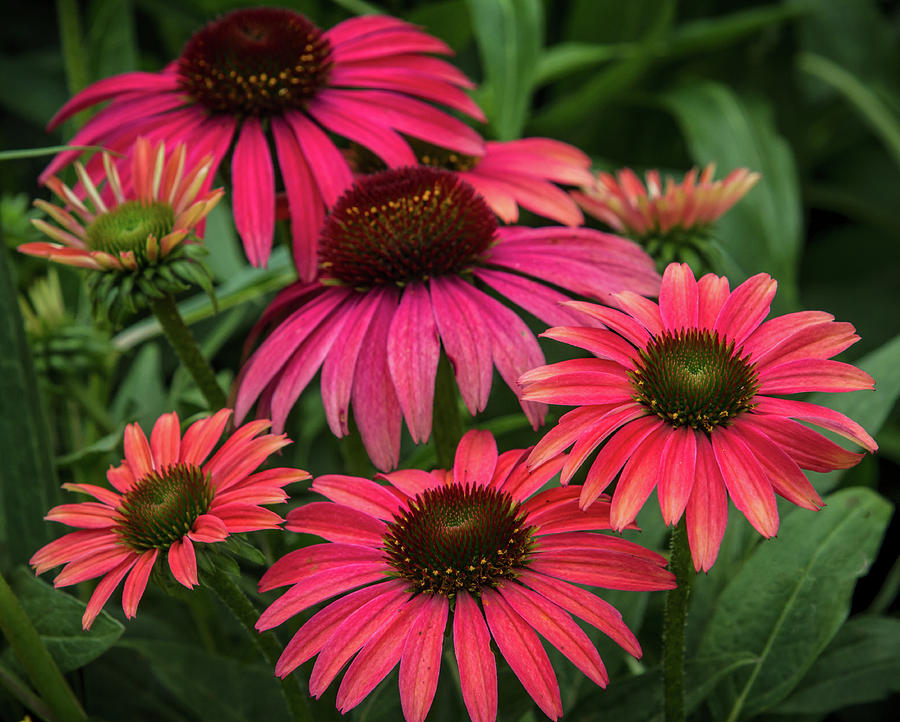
pixel 357 493
pixel 137 582
pixel 638 478
pixel 420 662
pixel 336 524
pixel 104 589
pixel 253 180
pixel 819 415
pixel 202 436
pixel 614 454
pixel 477 666
pixel 801 375
pixel 746 482
pixel 746 308
pixel 137 451
pixel 677 468
pixel 706 513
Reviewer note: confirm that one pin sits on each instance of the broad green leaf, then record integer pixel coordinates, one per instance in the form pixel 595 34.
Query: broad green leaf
pixel 509 34
pixel 862 664
pixel 213 687
pixel 226 256
pixel 763 232
pixel 57 617
pixel 865 102
pixel 791 597
pixel 28 485
pixel 565 58
pixel 110 41
pixel 142 395
pixel 868 408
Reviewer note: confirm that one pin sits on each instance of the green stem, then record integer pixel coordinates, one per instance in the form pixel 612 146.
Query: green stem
pixel 247 614
pixel 447 424
pixel 22 692
pixel 72 50
pixel 675 623
pixel 36 660
pixel 179 335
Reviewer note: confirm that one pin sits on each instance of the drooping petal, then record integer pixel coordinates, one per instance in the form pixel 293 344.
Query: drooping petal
pixel 746 482
pixel 638 478
pixel 253 181
pixel 677 466
pixel 420 663
pixel 477 666
pixel 336 523
pixel 183 562
pixel 104 589
pixel 137 582
pixel 706 513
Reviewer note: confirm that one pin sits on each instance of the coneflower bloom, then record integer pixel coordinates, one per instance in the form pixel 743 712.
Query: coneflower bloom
pixel 139 237
pixel 166 497
pixel 665 220
pixel 510 174
pixel 685 395
pixel 400 254
pixel 479 543
pixel 268 75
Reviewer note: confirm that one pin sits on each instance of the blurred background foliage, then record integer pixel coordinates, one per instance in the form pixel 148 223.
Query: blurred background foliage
pixel 805 91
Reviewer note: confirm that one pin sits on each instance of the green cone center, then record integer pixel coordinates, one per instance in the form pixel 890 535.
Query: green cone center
pixel 694 378
pixel 458 537
pixel 127 227
pixel 257 61
pixel 404 225
pixel 163 506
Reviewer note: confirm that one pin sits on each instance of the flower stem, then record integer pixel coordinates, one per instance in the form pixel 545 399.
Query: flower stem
pixel 675 623
pixel 36 660
pixel 179 335
pixel 447 425
pixel 244 611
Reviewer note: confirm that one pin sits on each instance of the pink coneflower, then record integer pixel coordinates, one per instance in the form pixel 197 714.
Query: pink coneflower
pixel 400 253
pixel 665 220
pixel 683 391
pixel 140 233
pixel 164 499
pixel 475 543
pixel 270 75
pixel 511 174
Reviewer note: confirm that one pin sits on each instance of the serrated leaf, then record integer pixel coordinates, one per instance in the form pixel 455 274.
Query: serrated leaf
pixel 791 597
pixel 57 617
pixel 763 232
pixel 861 664
pixel 509 34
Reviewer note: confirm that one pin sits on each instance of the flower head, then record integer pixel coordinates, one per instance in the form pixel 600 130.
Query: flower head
pixel 479 543
pixel 666 221
pixel 400 253
pixel 137 234
pixel 166 497
pixel 259 76
pixel 684 395
pixel 510 174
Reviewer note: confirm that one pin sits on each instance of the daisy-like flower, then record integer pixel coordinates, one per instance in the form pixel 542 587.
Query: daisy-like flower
pixel 479 543
pixel 685 394
pixel 138 238
pixel 666 221
pixel 264 75
pixel 510 174
pixel 401 252
pixel 166 497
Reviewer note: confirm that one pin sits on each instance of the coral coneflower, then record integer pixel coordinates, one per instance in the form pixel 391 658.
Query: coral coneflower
pixel 667 220
pixel 263 75
pixel 478 544
pixel 166 497
pixel 401 252
pixel 685 395
pixel 139 237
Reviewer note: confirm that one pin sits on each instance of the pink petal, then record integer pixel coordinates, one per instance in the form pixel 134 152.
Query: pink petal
pixel 183 562
pixel 413 350
pixel 410 482
pixel 579 382
pixel 86 515
pixel 137 582
pixel 642 309
pixel 611 570
pixel 746 482
pixel 103 591
pixel 803 375
pixel 819 415
pixel 621 323
pixel 566 432
pixel 586 606
pixel 245 517
pixel 677 469
pixel 165 440
pixel 678 297
pixel 295 566
pixel 253 182
pixel 522 650
pixel 336 523
pixel 614 454
pixel 325 161
pixel 137 451
pixel 420 662
pixel 538 299
pixel 208 528
pixel 746 308
pixel 378 656
pixel 106 496
pixel 712 292
pixel 202 436
pixel 476 458
pixel 477 667
pixel 638 478
pixel 772 332
pixel 602 343
pixel 361 494
pixel 523 482
pixel 94 565
pixel 75 545
pixel 593 435
pixel 706 513
pixel 354 631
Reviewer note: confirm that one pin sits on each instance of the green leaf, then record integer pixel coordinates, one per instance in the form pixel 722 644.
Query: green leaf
pixel 791 597
pixel 862 664
pixel 213 687
pixel 869 409
pixel 509 34
pixel 28 485
pixel 864 101
pixel 763 232
pixel 566 58
pixel 57 617
pixel 110 40
pixel 142 395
